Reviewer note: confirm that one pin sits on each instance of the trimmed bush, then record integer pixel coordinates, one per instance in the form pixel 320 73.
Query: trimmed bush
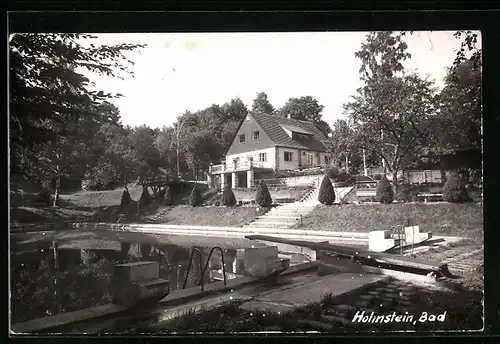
pixel 160 195
pixel 228 198
pixel 385 193
pixel 145 199
pixel 326 192
pixel 454 190
pixel 262 196
pixel 169 199
pixel 196 198
pixel 126 199
pixel 45 197
pixel 407 193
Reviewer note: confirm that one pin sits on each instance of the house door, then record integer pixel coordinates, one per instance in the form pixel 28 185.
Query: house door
pixel 309 159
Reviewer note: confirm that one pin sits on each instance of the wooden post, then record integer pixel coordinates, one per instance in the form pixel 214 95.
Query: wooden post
pixel 178 275
pixel 55 251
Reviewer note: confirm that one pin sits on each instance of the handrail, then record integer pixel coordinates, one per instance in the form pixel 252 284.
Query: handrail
pixel 208 261
pixel 409 223
pixel 400 231
pixel 194 249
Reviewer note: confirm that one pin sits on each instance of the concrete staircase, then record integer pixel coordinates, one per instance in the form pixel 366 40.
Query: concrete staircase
pixel 287 215
pixel 284 216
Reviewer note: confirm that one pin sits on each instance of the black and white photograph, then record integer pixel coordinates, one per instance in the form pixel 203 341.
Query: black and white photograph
pixel 165 183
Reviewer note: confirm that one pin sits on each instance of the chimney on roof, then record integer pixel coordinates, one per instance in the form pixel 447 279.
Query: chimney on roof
pixel 289 116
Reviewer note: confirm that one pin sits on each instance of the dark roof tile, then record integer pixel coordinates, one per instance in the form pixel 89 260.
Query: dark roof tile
pixel 272 126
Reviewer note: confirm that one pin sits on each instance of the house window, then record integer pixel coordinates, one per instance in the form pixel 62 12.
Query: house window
pixel 262 156
pixel 242 138
pixel 255 135
pixel 326 160
pixel 288 156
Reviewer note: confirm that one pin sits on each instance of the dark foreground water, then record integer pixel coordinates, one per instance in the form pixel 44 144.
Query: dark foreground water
pixel 82 275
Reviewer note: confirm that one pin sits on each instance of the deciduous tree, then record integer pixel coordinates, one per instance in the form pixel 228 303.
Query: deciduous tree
pixel 262 105
pixel 50 97
pixel 391 112
pixel 305 108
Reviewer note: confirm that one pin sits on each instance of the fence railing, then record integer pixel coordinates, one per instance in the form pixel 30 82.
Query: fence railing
pixel 242 165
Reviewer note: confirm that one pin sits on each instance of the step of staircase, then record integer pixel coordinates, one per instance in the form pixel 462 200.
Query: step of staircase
pixel 265 224
pixel 291 211
pixel 289 219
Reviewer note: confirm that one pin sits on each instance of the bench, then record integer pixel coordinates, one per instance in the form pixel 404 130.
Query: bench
pixel 366 193
pixel 431 196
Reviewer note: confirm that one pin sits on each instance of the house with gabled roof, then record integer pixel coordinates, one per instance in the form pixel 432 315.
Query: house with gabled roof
pixel 264 144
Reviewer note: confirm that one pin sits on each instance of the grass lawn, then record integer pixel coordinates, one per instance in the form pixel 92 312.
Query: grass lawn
pixel 178 215
pixel 439 218
pixel 93 199
pixel 103 206
pixel 207 216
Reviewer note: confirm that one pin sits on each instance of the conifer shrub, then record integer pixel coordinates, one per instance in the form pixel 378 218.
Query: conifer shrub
pixel 262 196
pixel 160 195
pixel 228 198
pixel 326 193
pixel 45 197
pixel 454 189
pixel 385 193
pixel 146 198
pixel 196 198
pixel 126 199
pixel 169 197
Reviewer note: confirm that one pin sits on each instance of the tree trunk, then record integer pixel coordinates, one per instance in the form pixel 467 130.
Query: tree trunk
pixel 58 185
pixel 443 174
pixel 395 182
pixel 125 182
pixel 177 155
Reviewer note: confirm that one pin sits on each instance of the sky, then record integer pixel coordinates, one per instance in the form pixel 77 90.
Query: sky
pixel 191 71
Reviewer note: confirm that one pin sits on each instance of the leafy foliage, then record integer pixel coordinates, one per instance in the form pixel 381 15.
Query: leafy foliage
pixel 228 197
pixel 407 193
pixel 455 190
pixel 326 193
pixel 342 143
pixel 169 197
pixel 338 174
pixel 84 287
pixel 458 124
pixel 385 193
pixel 262 105
pixel 201 137
pixel 305 108
pixel 391 113
pixel 51 100
pixel 196 199
pixel 262 195
pixel 468 45
pixel 382 55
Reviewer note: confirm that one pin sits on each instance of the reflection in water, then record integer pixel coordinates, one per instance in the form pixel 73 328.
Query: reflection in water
pixel 85 274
